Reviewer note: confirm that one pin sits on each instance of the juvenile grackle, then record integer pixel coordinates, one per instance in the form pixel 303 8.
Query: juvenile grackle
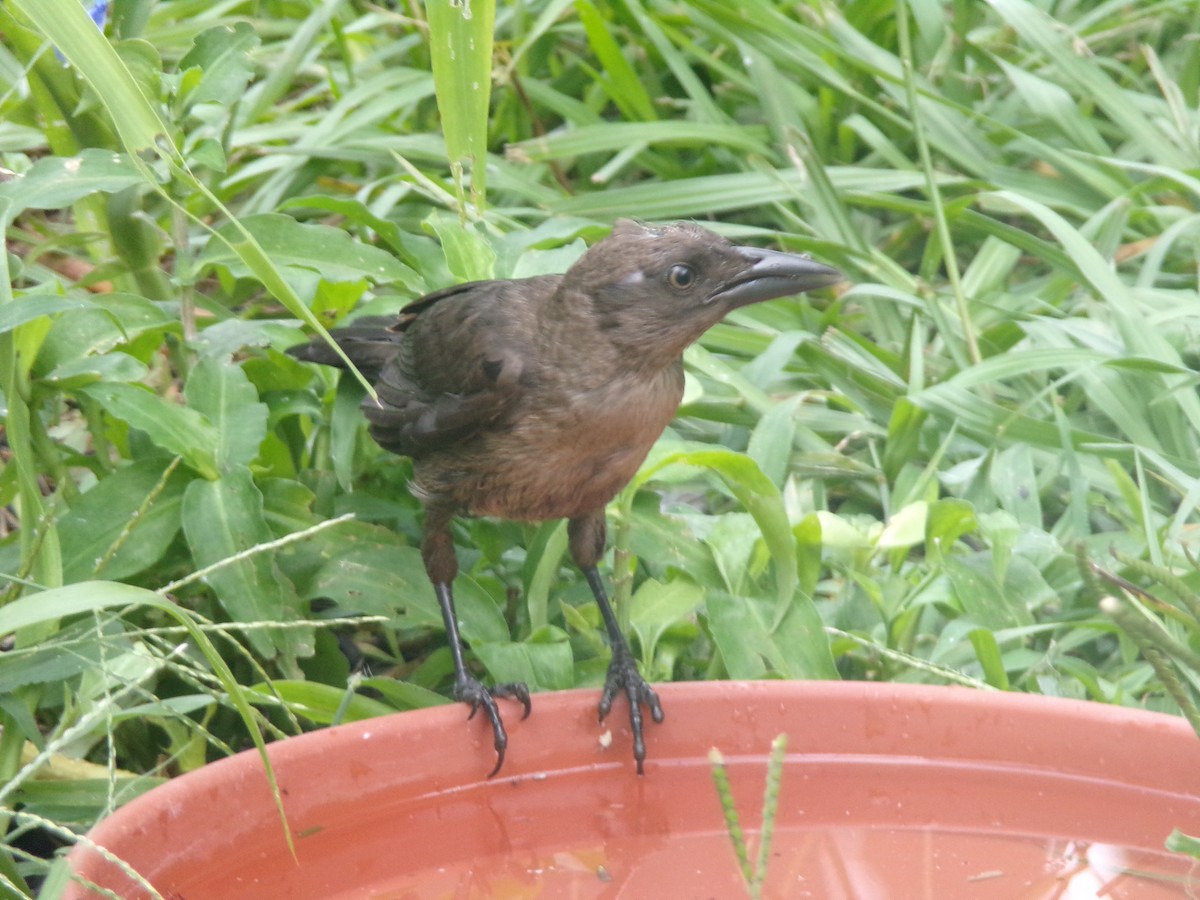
pixel 538 398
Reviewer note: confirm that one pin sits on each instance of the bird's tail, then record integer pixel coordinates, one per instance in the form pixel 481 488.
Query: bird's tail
pixel 371 343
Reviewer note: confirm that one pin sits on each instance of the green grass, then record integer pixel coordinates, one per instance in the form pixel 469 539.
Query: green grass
pixel 894 481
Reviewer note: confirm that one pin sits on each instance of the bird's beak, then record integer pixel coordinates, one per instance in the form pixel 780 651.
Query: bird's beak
pixel 770 274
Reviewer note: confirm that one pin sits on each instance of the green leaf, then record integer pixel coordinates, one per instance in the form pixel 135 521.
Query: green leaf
pixel 97 522
pixel 329 252
pixel 67 24
pixel 620 81
pixel 405 694
pixel 221 65
pixel 771 441
pixel 545 554
pixel 322 703
pixel 753 490
pixel 987 651
pixel 220 391
pixel 983 599
pixel 468 255
pixel 946 521
pixel 460 50
pixel 905 527
pixel 32 306
pixel 615 136
pixel 1178 842
pixel 663 541
pixel 751 646
pixel 177 429
pixel 55 182
pixel 109 367
pixel 657 606
pixel 808 552
pixel 732 540
pixel 222 518
pixel 95 596
pixel 374 573
pixel 1014 480
pixel 543 661
pixel 76 648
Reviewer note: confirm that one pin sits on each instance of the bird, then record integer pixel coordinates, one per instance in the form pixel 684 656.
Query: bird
pixel 538 398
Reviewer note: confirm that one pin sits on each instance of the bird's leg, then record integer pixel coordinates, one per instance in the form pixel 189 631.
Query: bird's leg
pixel 586 539
pixel 441 564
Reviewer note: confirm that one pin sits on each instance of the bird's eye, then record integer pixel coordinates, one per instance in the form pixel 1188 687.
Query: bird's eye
pixel 681 277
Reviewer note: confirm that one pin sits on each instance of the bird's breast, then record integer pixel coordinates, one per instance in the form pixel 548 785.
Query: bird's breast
pixel 568 457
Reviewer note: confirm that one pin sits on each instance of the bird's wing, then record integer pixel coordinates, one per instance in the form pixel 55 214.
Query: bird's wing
pixel 461 365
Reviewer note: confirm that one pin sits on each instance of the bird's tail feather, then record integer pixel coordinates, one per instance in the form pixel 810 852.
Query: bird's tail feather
pixel 371 343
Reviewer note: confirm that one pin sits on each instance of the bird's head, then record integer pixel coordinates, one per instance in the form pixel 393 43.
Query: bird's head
pixel 655 290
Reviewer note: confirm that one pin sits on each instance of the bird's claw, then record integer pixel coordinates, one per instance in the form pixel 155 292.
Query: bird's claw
pixel 623 676
pixel 474 693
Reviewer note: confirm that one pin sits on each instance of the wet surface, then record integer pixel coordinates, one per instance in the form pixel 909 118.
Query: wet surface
pixel 887 791
pixel 842 862
pixel 848 826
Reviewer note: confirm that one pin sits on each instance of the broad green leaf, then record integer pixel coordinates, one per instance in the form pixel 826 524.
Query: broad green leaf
pixel 771 441
pixel 983 599
pixel 177 429
pixel 732 540
pixel 55 182
pixel 543 661
pixel 218 67
pixel 118 526
pixel 76 647
pixel 657 606
pixel 345 427
pixel 223 518
pixel 383 577
pixel 945 522
pixel 753 490
pixel 809 540
pixel 546 554
pixel 1178 842
pixel 109 367
pixel 752 647
pixel 664 541
pixel 468 255
pixel 108 321
pixel 32 306
pixel 329 252
pixel 220 391
pixel 1014 481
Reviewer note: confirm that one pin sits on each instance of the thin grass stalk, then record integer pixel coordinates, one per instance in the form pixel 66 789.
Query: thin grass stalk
pixel 931 186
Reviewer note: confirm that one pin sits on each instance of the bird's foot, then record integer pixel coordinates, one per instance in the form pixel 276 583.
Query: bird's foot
pixel 623 677
pixel 473 692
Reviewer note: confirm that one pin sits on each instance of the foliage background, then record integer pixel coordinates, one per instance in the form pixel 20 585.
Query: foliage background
pixel 896 479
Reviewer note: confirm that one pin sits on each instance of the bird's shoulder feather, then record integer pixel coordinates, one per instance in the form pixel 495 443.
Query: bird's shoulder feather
pixel 459 370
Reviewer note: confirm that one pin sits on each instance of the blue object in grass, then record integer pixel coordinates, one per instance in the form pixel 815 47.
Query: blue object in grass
pixel 99 12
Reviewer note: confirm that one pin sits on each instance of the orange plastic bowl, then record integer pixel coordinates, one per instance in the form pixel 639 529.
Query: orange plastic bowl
pixel 888 790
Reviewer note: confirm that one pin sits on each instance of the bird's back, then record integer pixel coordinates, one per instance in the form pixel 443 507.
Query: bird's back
pixel 448 366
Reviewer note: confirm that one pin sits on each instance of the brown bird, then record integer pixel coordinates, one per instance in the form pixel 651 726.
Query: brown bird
pixel 538 398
